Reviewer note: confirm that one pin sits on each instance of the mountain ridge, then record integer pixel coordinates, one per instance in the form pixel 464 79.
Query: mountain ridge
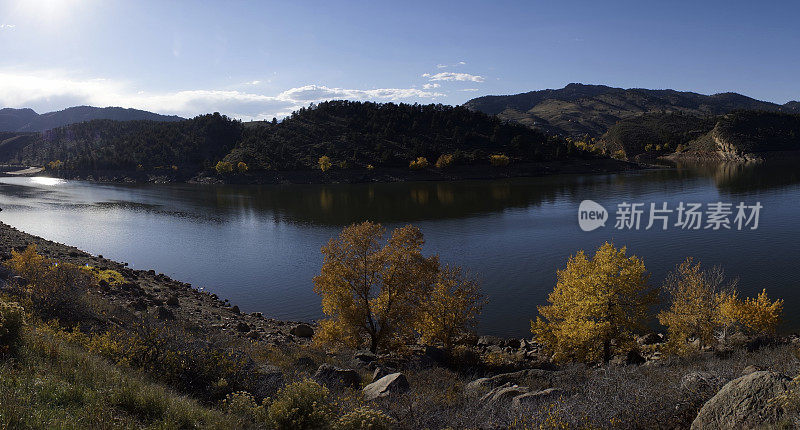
pixel 28 120
pixel 580 109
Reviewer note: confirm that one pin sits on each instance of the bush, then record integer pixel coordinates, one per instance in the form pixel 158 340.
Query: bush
pixel 242 167
pixel 54 290
pixel 110 277
pixel 755 316
pixel 324 163
pixel 365 418
pixel 499 160
pixel 444 160
pixel 419 164
pixel 12 320
pixel 243 404
pixel 300 406
pixel 224 167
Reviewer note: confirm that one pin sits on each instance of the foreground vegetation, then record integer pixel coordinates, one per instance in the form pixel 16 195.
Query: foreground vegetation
pixel 71 359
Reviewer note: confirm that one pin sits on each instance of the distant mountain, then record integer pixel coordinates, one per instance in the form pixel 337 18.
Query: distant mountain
pixel 578 109
pixel 26 120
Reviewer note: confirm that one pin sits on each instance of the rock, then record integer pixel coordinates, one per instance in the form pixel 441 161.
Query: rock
pixel 489 340
pixel 744 403
pixel 335 376
pixel 505 393
pixel 545 376
pixel 302 330
pixel 242 327
pixel 650 339
pixel 394 383
pixel 235 309
pixel 380 372
pixel 514 343
pixel 252 334
pixel 535 398
pixel 634 358
pixel 164 313
pixel 435 355
pixel 268 380
pixel 363 358
pixel 700 382
pixel 173 300
pixel 750 369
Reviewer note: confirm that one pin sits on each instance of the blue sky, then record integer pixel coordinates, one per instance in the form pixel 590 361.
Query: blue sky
pixel 255 60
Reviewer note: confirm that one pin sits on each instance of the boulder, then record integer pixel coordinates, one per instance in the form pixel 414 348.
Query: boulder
pixel 700 382
pixel 173 300
pixel 394 383
pixel 489 340
pixel 337 377
pixel 750 369
pixel 503 394
pixel 302 330
pixel 536 397
pixel 363 358
pixel 242 327
pixel 380 372
pixel 744 402
pixel 545 376
pixel 650 339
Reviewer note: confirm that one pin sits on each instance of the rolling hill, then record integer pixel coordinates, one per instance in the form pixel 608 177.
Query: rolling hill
pixel 27 120
pixel 578 109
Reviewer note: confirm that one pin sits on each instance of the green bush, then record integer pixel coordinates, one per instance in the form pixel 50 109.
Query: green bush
pixel 243 404
pixel 301 405
pixel 365 418
pixel 12 320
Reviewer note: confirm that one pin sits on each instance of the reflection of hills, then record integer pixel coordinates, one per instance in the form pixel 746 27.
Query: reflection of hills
pixel 737 178
pixel 402 202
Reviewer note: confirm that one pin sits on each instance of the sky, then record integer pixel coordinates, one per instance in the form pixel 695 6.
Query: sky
pixel 260 59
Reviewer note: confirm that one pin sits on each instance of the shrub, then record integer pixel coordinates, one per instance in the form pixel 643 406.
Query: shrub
pixel 324 163
pixel 244 404
pixel 224 167
pixel 499 160
pixel 595 306
pixel 55 290
pixel 756 316
pixel 419 164
pixel 444 160
pixel 55 165
pixel 12 320
pixel 364 418
pixel 370 167
pixel 110 277
pixel 242 167
pixel 300 406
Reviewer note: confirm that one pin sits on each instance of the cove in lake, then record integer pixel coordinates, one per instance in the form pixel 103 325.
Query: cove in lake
pixel 259 246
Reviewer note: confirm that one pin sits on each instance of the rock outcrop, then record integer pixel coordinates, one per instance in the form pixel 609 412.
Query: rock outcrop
pixel 745 402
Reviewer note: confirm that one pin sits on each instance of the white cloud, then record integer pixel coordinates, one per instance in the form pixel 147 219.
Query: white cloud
pixel 7 26
pixel 452 76
pixel 53 90
pixel 469 89
pixel 441 66
pixel 461 63
pixel 256 82
pixel 430 86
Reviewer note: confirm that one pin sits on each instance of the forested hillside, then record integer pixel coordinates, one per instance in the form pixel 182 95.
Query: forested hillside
pixel 351 134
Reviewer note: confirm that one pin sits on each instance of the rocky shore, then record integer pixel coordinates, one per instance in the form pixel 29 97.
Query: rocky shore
pixel 150 293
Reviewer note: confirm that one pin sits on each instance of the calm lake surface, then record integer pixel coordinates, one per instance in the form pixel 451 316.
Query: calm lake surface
pixel 259 246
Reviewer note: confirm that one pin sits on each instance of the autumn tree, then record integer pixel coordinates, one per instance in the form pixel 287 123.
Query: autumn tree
pixel 371 292
pixel 596 305
pixel 694 301
pixel 451 309
pixel 324 163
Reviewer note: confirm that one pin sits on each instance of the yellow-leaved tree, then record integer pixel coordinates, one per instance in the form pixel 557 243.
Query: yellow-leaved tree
pixel 371 292
pixel 324 163
pixel 595 307
pixel 695 296
pixel 451 309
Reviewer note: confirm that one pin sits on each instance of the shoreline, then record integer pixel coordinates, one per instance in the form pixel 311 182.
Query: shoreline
pixel 147 293
pixel 355 176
